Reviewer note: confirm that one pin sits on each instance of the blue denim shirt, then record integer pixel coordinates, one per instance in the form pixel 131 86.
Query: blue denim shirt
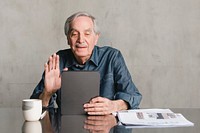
pixel 115 79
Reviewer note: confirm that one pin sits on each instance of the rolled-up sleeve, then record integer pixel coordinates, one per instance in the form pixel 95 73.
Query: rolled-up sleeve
pixel 39 89
pixel 125 88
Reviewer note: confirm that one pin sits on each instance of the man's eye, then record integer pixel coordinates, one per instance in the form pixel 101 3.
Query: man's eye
pixel 87 33
pixel 74 34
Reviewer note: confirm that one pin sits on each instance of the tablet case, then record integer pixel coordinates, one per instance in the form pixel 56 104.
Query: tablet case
pixel 77 88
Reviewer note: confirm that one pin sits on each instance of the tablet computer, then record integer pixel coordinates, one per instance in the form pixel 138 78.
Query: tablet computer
pixel 77 88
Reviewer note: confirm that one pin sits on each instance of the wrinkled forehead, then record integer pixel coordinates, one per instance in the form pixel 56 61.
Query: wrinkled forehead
pixel 82 23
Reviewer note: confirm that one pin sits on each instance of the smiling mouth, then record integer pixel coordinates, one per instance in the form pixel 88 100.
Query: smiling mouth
pixel 81 46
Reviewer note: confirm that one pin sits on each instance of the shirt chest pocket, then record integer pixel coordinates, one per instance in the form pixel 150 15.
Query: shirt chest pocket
pixel 107 86
pixel 108 77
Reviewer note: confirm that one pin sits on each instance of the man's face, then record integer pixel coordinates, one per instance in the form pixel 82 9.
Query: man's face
pixel 82 38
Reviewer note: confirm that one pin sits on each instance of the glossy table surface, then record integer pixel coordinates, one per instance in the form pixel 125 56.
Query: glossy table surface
pixel 11 120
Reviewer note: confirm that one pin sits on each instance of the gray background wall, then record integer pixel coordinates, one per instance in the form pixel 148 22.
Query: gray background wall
pixel 158 38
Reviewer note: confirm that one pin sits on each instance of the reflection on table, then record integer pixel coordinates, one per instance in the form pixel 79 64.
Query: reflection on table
pixel 11 120
pixel 32 127
pixel 53 122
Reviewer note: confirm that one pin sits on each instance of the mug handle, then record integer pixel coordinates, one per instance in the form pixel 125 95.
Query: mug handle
pixel 43 115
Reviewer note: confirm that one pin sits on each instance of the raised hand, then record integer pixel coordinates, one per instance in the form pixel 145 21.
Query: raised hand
pixel 52 81
pixel 52 75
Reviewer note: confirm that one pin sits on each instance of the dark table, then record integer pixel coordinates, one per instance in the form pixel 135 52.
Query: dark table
pixel 11 120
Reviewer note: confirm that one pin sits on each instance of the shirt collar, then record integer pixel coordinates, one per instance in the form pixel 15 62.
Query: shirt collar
pixel 95 56
pixel 70 60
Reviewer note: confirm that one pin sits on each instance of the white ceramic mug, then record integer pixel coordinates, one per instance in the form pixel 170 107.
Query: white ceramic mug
pixel 32 109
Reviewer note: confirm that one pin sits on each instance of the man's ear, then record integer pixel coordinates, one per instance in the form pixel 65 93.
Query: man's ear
pixel 68 41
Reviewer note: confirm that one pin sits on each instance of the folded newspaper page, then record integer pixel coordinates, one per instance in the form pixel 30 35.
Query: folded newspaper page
pixel 152 117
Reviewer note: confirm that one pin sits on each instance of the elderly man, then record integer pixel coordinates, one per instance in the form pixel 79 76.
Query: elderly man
pixel 117 91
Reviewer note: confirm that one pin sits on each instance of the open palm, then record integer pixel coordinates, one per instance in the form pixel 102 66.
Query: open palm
pixel 52 75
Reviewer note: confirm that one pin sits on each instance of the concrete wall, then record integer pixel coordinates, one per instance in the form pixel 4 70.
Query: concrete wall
pixel 158 38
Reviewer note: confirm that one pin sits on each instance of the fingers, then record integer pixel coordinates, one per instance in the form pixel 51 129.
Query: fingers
pixel 53 63
pixel 97 110
pixel 50 64
pixel 98 106
pixel 90 105
pixel 57 66
pixel 98 100
pixel 94 103
pixel 94 122
pixel 46 69
pixel 100 123
pixel 99 113
pixel 97 118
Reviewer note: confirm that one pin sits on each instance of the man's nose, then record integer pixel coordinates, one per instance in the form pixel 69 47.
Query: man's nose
pixel 81 38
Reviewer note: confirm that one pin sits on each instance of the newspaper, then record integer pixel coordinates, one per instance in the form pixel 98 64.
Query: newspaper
pixel 152 118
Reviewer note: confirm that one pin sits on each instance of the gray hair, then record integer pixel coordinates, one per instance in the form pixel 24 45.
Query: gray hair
pixel 68 22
